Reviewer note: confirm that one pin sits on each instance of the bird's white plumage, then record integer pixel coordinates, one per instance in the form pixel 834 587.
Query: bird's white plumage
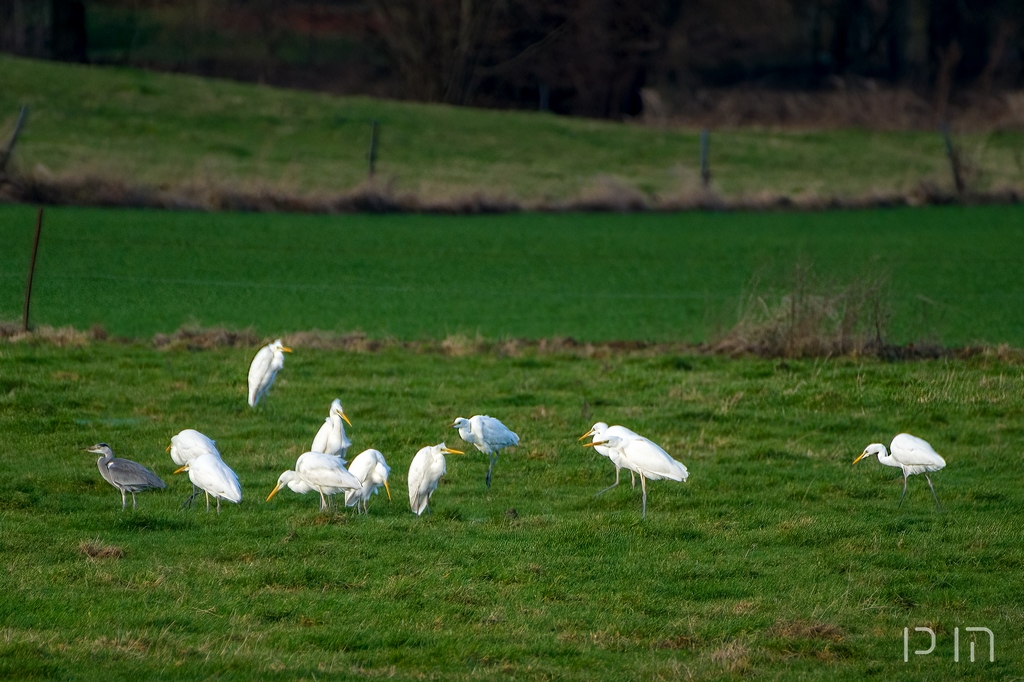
pixel 427 468
pixel 486 433
pixel 293 482
pixel 331 438
pixel 325 474
pixel 189 444
pixel 600 431
pixel 645 457
pixel 215 478
pixel 264 368
pixel 910 454
pixel 373 471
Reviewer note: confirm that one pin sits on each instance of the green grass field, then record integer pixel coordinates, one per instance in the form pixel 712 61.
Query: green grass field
pixel 164 131
pixel 953 273
pixel 776 560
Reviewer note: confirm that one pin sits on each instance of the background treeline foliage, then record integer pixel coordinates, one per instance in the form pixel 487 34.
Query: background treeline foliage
pixel 604 58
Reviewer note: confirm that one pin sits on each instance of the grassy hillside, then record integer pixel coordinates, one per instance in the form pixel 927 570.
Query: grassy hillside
pixel 951 274
pixel 165 131
pixel 776 559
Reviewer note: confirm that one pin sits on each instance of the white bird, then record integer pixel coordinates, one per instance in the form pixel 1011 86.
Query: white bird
pixel 911 454
pixel 427 468
pixel 331 438
pixel 372 471
pixel 323 473
pixel 294 483
pixel 598 431
pixel 648 458
pixel 268 361
pixel 488 435
pixel 124 474
pixel 209 472
pixel 185 447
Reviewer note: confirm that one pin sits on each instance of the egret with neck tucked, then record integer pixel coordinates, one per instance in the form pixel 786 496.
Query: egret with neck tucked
pixel 912 455
pixel 264 368
pixel 373 471
pixel 331 438
pixel 427 468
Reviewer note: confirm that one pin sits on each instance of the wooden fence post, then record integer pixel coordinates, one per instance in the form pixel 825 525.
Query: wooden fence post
pixel 955 163
pixel 31 271
pixel 705 157
pixel 373 147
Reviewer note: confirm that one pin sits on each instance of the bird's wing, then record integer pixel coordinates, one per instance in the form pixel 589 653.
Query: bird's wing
pixel 494 433
pixel 320 441
pixel 325 471
pixel 215 477
pixel 653 461
pixel 417 477
pixel 258 373
pixel 132 476
pixel 913 451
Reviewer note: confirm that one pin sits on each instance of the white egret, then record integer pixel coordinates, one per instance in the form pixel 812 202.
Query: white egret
pixel 427 468
pixel 185 447
pixel 331 438
pixel 214 477
pixel 323 473
pixel 372 471
pixel 488 435
pixel 911 454
pixel 125 475
pixel 648 458
pixel 294 483
pixel 268 361
pixel 598 431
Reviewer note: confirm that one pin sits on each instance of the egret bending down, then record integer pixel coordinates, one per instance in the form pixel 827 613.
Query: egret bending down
pixel 321 472
pixel 599 431
pixel 124 474
pixel 911 454
pixel 331 438
pixel 185 447
pixel 647 458
pixel 427 468
pixel 264 368
pixel 373 472
pixel 488 435
pixel 216 478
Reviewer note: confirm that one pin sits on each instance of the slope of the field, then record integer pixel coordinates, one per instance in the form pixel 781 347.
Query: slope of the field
pixel 952 274
pixel 164 131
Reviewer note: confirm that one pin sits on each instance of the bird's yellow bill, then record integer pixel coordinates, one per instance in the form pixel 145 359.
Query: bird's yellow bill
pixel 862 456
pixel 184 468
pixel 346 419
pixel 168 448
pixel 596 442
pixel 286 349
pixel 273 492
pixel 387 489
pixel 586 435
pixel 452 452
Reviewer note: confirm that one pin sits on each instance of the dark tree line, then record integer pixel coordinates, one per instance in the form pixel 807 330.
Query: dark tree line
pixel 588 57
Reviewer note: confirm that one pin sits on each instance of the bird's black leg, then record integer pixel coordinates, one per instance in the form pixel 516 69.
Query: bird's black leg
pixel 904 492
pixel 933 492
pixel 643 485
pixel 188 501
pixel 613 484
pixel 494 458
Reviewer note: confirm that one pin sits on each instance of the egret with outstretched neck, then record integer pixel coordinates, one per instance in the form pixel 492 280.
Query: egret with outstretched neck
pixel 912 455
pixel 488 435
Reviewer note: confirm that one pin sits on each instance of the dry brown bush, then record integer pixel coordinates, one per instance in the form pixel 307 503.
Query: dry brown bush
pixel 813 319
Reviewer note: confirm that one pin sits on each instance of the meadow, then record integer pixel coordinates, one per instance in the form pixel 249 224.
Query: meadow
pixel 950 275
pixel 776 559
pixel 171 131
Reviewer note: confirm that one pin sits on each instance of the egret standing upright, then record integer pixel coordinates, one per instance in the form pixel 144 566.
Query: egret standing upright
pixel 911 454
pixel 264 368
pixel 124 474
pixel 209 472
pixel 331 438
pixel 185 446
pixel 427 468
pixel 373 471
pixel 488 435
